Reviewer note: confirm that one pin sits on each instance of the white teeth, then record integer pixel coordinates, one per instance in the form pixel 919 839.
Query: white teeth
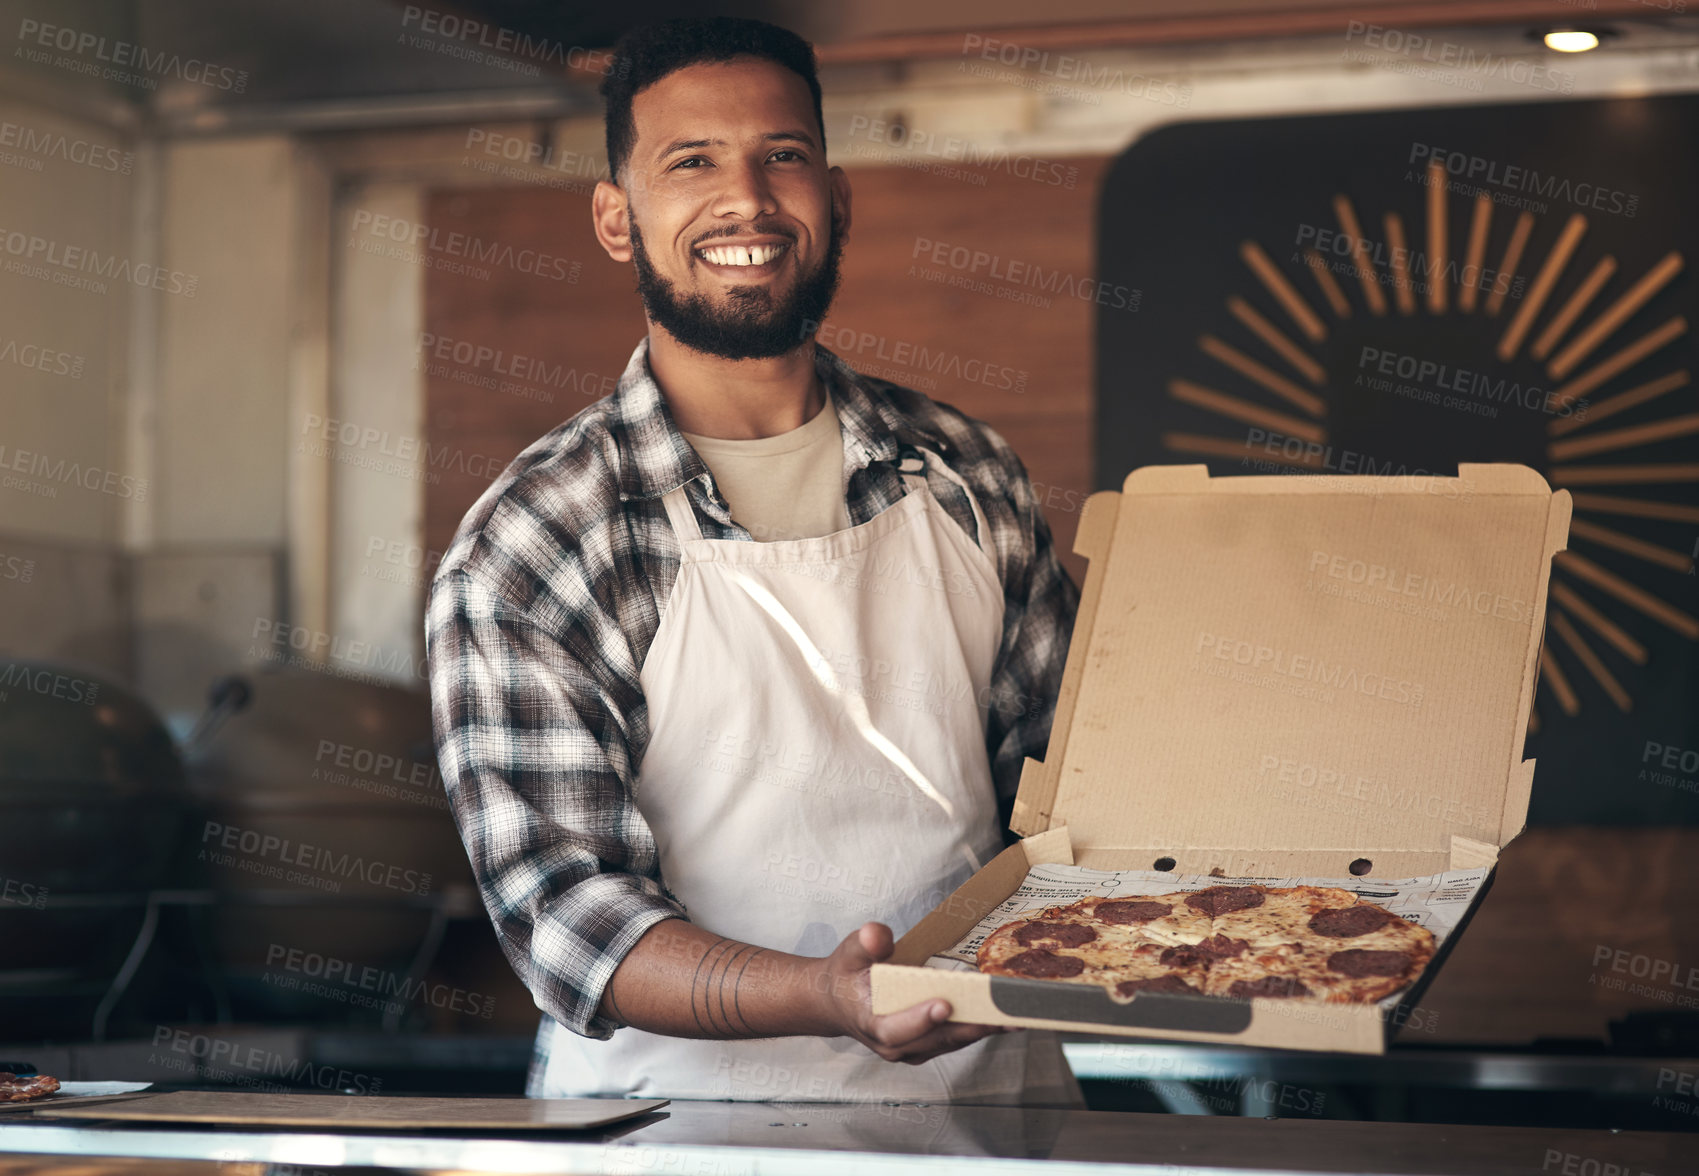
pixel 738 255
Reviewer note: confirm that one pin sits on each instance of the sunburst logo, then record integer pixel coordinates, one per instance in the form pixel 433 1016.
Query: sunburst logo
pixel 1377 340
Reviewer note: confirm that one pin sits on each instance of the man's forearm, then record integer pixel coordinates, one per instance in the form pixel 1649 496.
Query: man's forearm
pixel 686 982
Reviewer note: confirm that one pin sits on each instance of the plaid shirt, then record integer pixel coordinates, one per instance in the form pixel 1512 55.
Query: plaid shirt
pixel 544 608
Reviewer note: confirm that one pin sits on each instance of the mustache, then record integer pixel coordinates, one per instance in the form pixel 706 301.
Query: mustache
pixel 753 231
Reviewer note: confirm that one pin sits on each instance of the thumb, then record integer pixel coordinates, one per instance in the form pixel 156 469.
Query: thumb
pixel 874 941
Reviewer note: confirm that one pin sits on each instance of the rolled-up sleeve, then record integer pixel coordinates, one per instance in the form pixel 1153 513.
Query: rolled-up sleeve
pixel 534 743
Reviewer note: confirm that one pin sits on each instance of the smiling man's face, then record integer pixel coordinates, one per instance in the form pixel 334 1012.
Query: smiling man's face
pixel 734 234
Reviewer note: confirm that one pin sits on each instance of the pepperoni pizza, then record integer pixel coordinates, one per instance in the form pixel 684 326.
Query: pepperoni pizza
pixel 24 1087
pixel 1238 941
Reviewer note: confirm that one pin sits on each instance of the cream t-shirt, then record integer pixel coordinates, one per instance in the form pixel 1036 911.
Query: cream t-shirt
pixel 784 487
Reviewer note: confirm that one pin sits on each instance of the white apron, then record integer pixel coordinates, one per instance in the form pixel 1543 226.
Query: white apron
pixel 817 761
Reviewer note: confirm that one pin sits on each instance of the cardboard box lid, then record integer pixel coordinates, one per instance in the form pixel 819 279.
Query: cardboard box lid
pixel 1301 662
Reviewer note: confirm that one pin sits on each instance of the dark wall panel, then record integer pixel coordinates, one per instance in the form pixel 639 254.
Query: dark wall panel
pixel 1260 348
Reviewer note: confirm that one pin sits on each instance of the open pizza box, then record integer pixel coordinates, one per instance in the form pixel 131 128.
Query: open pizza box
pixel 1273 677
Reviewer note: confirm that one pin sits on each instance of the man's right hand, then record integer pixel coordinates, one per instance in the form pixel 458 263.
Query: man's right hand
pixel 686 982
pixel 914 1035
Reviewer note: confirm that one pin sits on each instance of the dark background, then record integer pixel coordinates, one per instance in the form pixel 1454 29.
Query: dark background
pixel 1176 207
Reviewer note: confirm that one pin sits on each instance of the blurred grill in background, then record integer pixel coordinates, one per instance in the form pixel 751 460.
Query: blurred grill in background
pixel 94 806
pixel 328 840
pixel 304 867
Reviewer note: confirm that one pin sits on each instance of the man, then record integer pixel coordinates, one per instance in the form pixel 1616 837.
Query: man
pixel 733 673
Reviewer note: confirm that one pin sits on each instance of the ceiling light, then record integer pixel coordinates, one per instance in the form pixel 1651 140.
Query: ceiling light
pixel 1571 40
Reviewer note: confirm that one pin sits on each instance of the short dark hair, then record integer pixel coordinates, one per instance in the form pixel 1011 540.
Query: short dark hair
pixel 648 53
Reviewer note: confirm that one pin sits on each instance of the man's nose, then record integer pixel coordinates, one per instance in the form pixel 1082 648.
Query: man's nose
pixel 745 192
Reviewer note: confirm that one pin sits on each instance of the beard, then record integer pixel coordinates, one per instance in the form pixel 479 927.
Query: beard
pixel 751 323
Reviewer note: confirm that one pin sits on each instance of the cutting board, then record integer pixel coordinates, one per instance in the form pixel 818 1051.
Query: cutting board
pixel 363 1111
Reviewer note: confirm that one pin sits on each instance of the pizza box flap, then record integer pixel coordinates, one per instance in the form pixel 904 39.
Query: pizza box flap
pixel 1300 665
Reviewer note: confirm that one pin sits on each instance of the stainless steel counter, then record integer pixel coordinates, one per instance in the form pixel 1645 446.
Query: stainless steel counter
pixel 767 1139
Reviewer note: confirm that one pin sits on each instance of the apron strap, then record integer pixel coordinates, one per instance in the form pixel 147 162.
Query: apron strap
pixel 682 516
pixel 917 478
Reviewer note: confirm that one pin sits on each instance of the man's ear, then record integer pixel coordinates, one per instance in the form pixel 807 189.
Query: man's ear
pixel 840 201
pixel 610 216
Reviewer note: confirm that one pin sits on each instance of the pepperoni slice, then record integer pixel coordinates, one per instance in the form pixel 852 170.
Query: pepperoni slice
pixel 1280 986
pixel 1218 900
pixel 1064 934
pixel 1183 956
pixel 1216 947
pixel 1124 911
pixel 1358 962
pixel 1349 922
pixel 1221 947
pixel 1154 984
pixel 1045 964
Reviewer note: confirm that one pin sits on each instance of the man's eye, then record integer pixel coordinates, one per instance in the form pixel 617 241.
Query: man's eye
pixel 788 152
pixel 688 159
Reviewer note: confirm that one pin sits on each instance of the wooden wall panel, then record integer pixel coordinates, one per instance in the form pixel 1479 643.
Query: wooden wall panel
pixel 977 340
pixel 579 333
pixel 890 296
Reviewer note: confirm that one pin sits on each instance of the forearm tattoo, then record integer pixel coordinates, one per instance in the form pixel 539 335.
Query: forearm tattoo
pixel 714 990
